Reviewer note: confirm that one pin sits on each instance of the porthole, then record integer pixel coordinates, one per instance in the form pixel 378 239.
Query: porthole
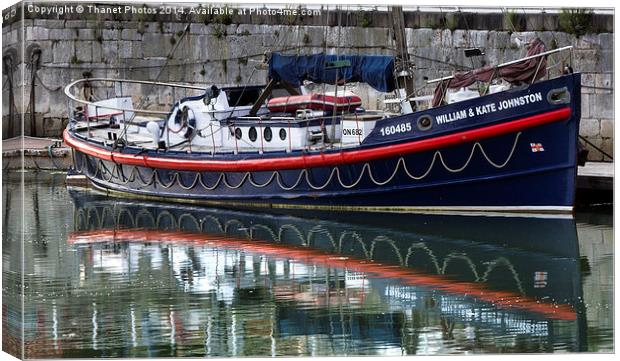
pixel 238 133
pixel 252 134
pixel 267 134
pixel 558 96
pixel 425 122
pixel 282 134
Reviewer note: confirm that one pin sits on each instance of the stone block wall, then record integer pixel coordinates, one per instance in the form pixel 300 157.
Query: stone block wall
pixel 215 53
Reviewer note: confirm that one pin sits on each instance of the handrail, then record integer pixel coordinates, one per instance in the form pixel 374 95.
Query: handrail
pixel 68 93
pixel 510 62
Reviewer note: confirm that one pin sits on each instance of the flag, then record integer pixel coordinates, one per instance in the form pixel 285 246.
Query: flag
pixel 537 147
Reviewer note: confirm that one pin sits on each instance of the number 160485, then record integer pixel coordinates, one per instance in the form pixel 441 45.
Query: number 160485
pixel 395 129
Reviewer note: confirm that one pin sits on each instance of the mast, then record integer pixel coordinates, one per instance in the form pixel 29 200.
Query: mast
pixel 404 73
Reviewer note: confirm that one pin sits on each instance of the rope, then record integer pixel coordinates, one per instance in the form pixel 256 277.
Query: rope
pixel 33 65
pixel 597 87
pixel 595 147
pixel 49 152
pixel 461 256
pixel 429 252
pixel 502 260
pixel 390 242
pixel 36 166
pixel 175 179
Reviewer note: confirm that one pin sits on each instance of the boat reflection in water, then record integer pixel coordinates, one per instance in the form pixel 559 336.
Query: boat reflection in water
pixel 192 281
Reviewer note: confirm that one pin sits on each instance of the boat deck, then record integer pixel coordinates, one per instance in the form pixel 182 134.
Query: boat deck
pixel 104 133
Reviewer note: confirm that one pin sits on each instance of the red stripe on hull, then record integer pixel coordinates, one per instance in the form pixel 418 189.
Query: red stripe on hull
pixel 324 159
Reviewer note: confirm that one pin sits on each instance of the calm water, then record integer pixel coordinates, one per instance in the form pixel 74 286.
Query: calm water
pixel 120 278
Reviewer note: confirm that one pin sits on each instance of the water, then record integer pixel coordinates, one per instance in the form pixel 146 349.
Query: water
pixel 121 278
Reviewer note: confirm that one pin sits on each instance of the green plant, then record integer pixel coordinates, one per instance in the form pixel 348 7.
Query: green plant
pixel 203 72
pixel 515 22
pixel 431 22
pixel 238 79
pixel 289 18
pixel 173 40
pixel 306 39
pixel 364 19
pixel 75 60
pixel 99 31
pixel 141 27
pixel 450 22
pixel 554 44
pixel 200 16
pixel 225 17
pixel 576 21
pixel 141 16
pixel 511 19
pixel 219 31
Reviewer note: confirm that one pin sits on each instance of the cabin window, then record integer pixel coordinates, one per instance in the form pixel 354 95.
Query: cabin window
pixel 238 133
pixel 267 135
pixel 252 134
pixel 282 133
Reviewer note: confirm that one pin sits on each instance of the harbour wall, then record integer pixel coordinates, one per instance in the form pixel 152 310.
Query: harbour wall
pixel 224 51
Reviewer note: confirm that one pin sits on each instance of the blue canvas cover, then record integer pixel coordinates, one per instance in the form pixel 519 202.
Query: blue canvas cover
pixel 374 70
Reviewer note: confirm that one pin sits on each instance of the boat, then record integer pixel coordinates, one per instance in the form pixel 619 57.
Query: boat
pixel 499 138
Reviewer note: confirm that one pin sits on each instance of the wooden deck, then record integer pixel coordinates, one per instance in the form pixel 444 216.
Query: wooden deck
pixel 17 143
pixel 39 153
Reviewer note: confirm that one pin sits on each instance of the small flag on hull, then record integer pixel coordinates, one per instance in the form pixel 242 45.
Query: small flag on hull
pixel 537 147
pixel 540 279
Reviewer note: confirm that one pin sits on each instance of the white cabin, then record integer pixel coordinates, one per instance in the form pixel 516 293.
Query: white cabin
pixel 223 123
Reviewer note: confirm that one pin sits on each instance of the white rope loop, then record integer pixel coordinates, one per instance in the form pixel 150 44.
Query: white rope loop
pixel 135 175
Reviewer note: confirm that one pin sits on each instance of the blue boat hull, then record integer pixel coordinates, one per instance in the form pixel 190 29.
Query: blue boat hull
pixel 529 169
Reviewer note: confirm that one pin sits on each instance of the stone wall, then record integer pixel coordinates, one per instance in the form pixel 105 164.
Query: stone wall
pixel 226 54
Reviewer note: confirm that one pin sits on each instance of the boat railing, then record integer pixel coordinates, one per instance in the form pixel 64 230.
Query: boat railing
pixel 120 86
pixel 540 56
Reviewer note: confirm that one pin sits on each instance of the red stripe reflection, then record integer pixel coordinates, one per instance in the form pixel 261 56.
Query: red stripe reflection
pixel 503 299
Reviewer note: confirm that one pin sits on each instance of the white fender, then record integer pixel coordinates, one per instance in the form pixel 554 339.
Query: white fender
pixel 153 128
